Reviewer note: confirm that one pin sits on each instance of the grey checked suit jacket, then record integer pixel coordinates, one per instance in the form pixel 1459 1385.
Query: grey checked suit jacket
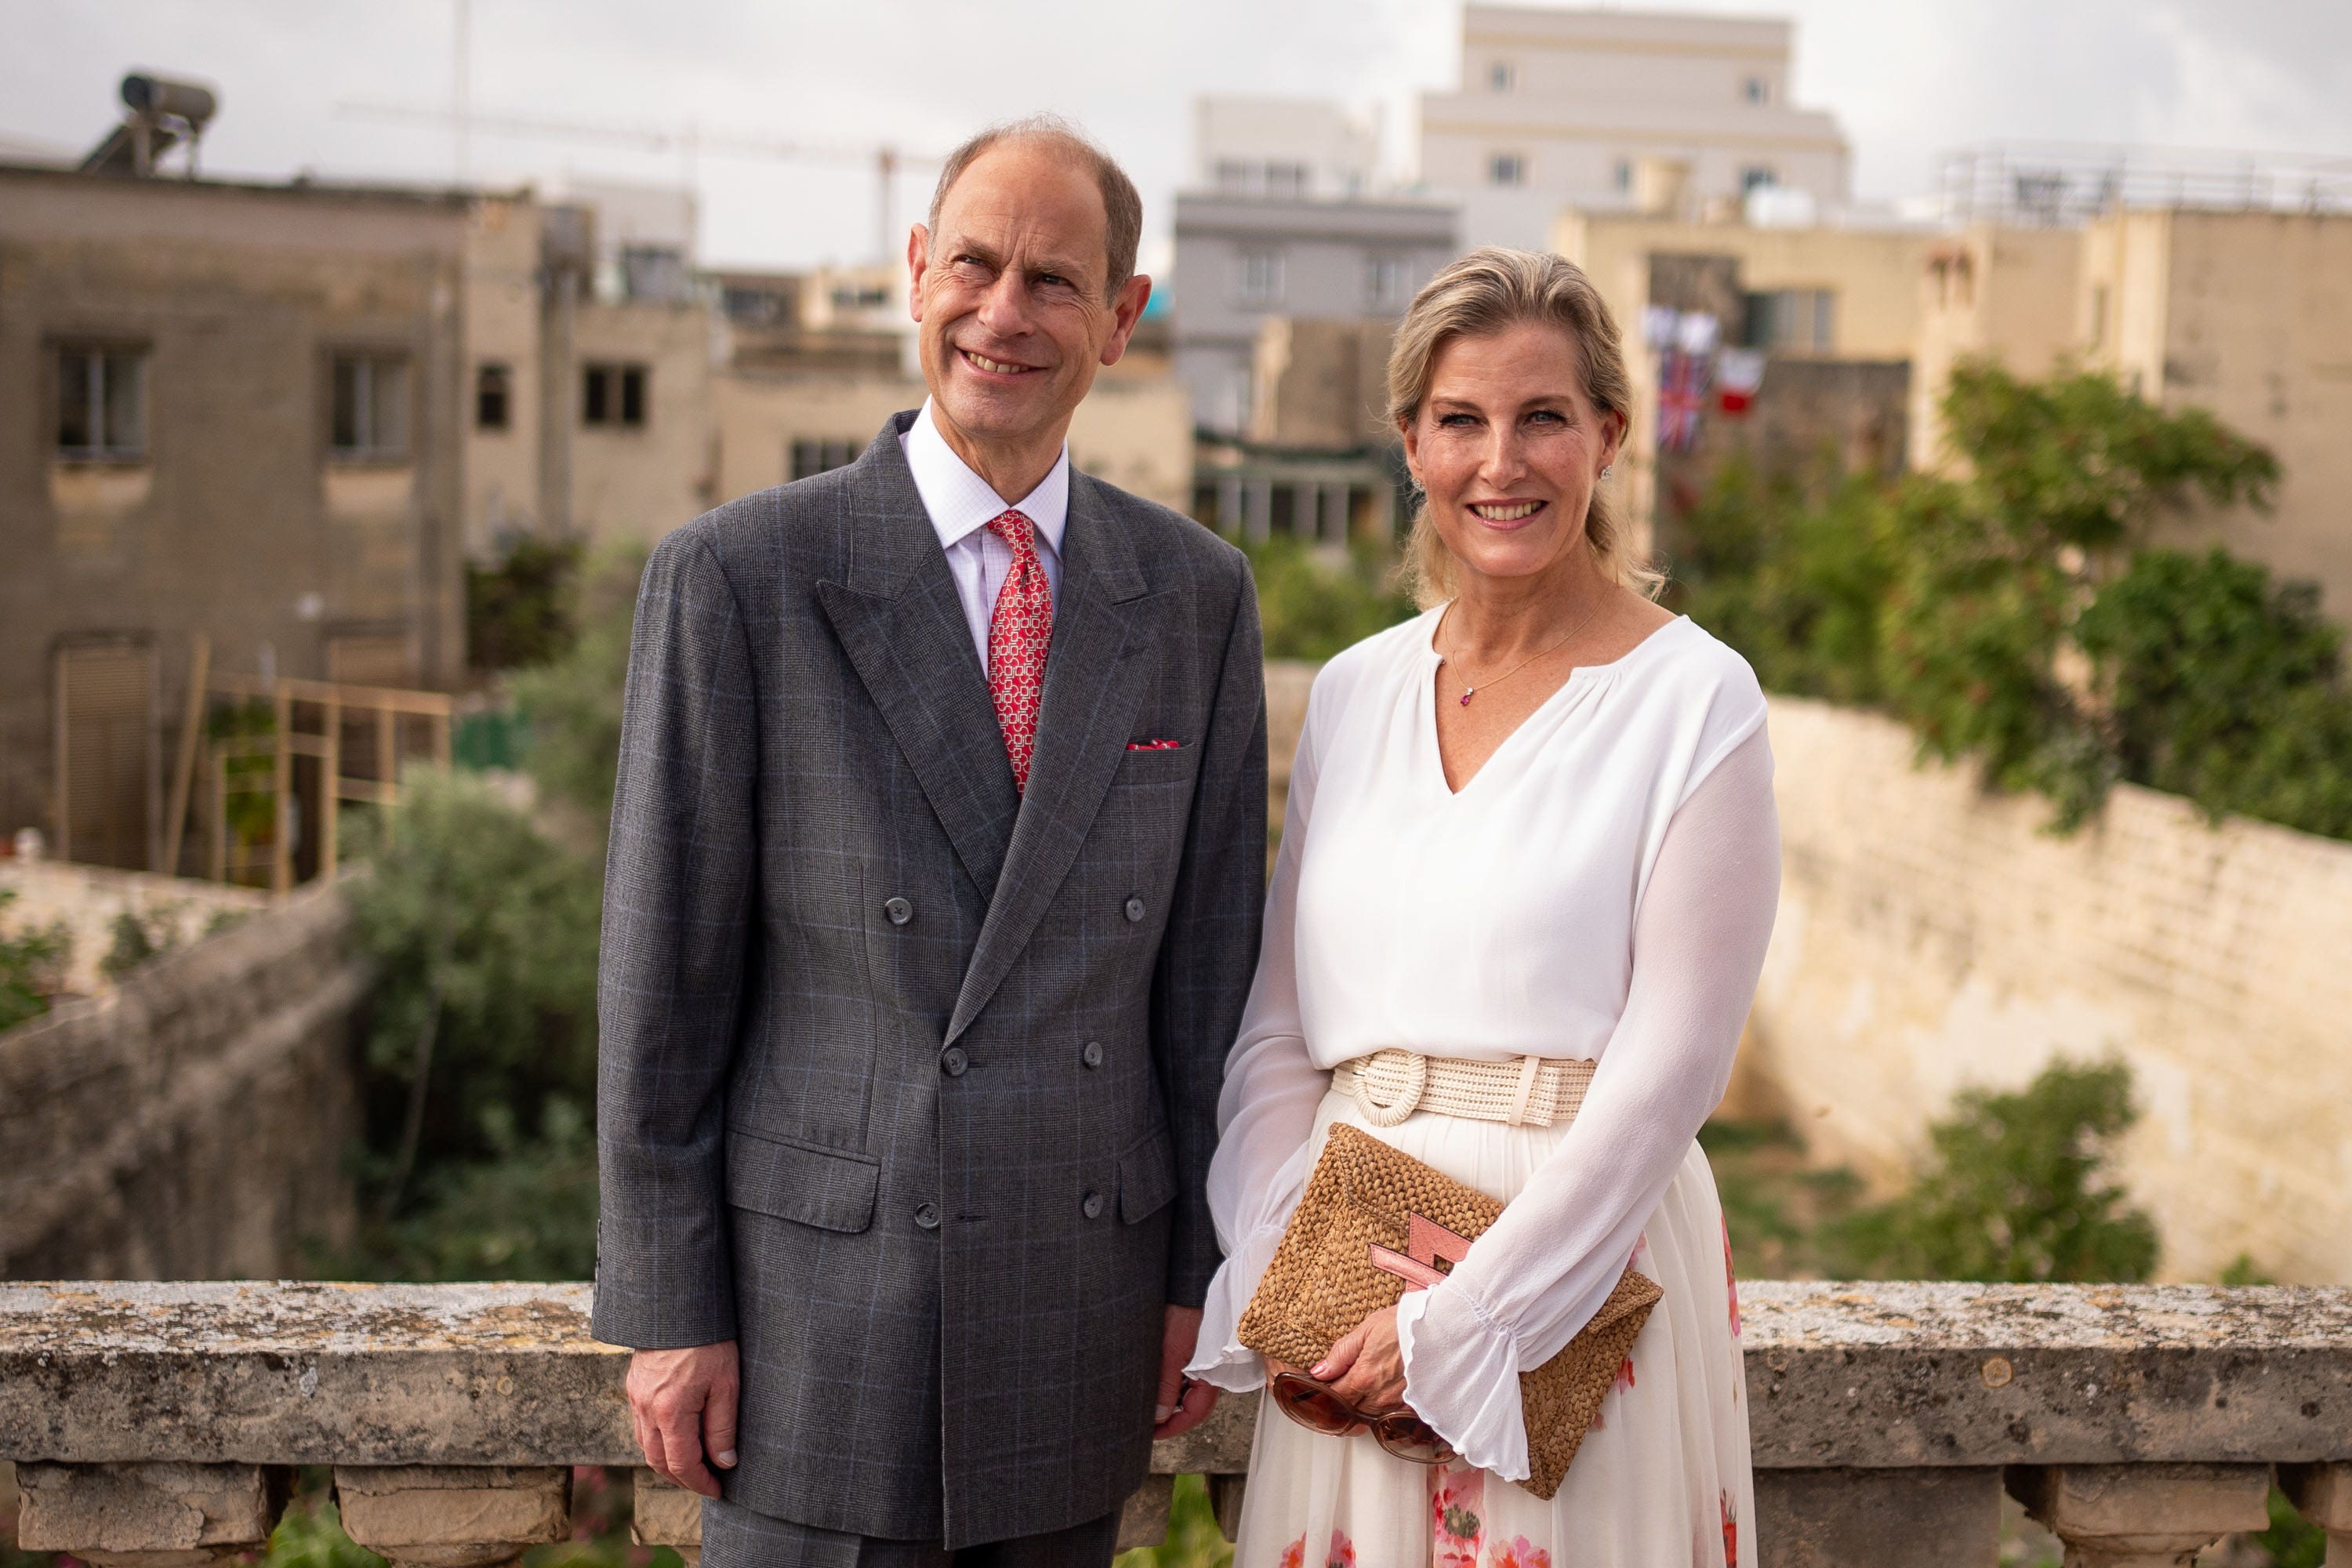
pixel 907 1083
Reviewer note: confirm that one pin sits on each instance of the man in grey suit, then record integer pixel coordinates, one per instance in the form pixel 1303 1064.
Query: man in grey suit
pixel 932 901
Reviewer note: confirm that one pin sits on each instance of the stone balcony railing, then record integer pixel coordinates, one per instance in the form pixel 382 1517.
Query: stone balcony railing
pixel 159 1424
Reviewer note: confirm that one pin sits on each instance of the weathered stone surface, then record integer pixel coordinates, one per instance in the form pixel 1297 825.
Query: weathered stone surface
pixel 2142 1516
pixel 1840 1376
pixel 665 1514
pixel 1943 1518
pixel 453 1516
pixel 193 1122
pixel 1144 1521
pixel 150 1514
pixel 1909 1373
pixel 1225 1495
pixel 303 1373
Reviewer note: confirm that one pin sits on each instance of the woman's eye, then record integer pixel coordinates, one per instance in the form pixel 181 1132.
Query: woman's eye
pixel 1456 421
pixel 1544 415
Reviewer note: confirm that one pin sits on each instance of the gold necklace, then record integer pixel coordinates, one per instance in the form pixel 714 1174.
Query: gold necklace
pixel 1468 691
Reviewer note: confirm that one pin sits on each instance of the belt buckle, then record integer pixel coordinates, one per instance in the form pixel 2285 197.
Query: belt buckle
pixel 1404 1072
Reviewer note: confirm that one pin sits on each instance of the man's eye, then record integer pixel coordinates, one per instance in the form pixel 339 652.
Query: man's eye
pixel 1052 280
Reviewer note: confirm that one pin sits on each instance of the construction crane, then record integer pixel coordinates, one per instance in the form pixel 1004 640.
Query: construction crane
pixel 690 141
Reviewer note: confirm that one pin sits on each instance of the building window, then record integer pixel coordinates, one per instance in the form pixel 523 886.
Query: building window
pixel 1797 320
pixel 370 413
pixel 613 394
pixel 493 396
pixel 1757 177
pixel 1388 281
pixel 1260 277
pixel 813 458
pixel 101 404
pixel 1620 173
pixel 2098 315
pixel 1502 75
pixel 1506 169
pixel 1758 90
pixel 1232 177
pixel 1286 179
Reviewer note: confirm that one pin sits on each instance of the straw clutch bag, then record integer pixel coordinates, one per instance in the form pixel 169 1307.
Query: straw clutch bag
pixel 1375 1219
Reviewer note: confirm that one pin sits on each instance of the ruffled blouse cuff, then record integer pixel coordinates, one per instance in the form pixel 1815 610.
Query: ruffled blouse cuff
pixel 1218 1357
pixel 1461 1377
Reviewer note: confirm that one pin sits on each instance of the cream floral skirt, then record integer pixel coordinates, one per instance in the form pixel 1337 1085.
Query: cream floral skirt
pixel 1661 1479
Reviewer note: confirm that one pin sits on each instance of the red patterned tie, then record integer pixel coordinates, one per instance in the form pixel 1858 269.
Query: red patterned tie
pixel 1018 632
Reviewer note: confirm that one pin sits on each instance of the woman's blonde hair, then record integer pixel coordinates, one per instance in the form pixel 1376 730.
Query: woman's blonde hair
pixel 1483 293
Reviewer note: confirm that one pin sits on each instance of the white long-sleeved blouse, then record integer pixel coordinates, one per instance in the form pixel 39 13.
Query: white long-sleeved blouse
pixel 1602 888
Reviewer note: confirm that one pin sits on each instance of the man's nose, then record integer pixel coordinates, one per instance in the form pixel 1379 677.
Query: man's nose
pixel 1005 308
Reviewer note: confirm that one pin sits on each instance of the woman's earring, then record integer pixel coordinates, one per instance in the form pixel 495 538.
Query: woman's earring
pixel 1605 467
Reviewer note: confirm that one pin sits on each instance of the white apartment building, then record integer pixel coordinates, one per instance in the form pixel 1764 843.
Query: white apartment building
pixel 1282 147
pixel 1589 108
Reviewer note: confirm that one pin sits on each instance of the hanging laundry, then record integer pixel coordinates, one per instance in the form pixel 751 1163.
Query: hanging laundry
pixel 1682 394
pixel 1697 332
pixel 1659 323
pixel 1739 373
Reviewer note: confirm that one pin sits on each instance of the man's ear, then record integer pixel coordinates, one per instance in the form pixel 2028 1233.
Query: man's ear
pixel 1126 309
pixel 918 257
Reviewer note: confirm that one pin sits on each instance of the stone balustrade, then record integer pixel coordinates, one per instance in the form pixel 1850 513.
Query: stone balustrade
pixel 158 1424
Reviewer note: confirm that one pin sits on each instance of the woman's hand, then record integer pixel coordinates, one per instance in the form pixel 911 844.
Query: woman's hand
pixel 1366 1368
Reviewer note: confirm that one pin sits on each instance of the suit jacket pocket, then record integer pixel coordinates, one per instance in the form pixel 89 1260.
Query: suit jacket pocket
pixel 832 1189
pixel 1147 1176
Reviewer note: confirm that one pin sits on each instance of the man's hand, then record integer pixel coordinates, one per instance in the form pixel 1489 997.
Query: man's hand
pixel 682 1407
pixel 1182 1405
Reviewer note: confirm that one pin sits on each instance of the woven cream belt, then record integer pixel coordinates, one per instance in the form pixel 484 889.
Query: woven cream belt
pixel 1534 1091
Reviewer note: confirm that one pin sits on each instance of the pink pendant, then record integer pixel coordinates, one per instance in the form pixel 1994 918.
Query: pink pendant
pixel 1465 695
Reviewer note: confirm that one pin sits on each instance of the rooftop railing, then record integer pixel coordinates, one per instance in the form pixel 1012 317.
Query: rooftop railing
pixel 160 1424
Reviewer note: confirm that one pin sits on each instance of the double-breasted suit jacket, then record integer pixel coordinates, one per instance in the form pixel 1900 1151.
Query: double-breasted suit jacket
pixel 907 1081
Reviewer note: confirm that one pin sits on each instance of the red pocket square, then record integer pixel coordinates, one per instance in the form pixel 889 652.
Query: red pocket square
pixel 1155 746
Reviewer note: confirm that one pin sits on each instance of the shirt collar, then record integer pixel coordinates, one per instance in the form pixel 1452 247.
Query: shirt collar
pixel 960 501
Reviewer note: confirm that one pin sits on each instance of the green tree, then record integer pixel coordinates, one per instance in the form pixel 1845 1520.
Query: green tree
pixel 572 705
pixel 521 610
pixel 2012 1190
pixel 483 932
pixel 1312 603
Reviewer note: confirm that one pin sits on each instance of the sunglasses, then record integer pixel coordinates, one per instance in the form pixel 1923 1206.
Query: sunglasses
pixel 1314 1406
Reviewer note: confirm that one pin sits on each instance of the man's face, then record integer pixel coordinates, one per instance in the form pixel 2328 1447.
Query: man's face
pixel 1011 294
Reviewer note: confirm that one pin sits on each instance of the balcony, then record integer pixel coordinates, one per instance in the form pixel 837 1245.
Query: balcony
pixel 157 1425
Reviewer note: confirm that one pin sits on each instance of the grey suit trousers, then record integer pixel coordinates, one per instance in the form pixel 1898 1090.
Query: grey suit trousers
pixel 734 1537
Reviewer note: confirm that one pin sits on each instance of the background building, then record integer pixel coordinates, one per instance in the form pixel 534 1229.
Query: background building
pixel 1563 107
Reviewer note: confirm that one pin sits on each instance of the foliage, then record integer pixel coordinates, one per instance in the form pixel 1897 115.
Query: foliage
pixel 483 934
pixel 1311 603
pixel 2217 685
pixel 310 1534
pixel 527 1212
pixel 32 966
pixel 573 705
pixel 1192 1542
pixel 2292 1541
pixel 1777 1208
pixel 2018 616
pixel 251 728
pixel 521 611
pixel 137 935
pixel 2014 1191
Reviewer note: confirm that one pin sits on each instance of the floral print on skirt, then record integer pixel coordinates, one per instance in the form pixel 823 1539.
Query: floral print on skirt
pixel 1661 1479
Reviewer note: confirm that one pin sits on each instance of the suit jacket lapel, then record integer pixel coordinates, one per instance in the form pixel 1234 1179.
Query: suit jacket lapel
pixel 1092 688
pixel 903 627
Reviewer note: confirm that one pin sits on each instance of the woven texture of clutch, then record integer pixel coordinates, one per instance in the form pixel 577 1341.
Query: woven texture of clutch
pixel 1324 1281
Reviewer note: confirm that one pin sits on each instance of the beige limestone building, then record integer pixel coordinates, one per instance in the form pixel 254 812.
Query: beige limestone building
pixel 1561 108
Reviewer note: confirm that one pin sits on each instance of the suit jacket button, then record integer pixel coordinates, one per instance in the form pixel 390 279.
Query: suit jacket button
pixel 1092 1055
pixel 1134 910
pixel 899 910
pixel 952 1061
pixel 1093 1205
pixel 928 1216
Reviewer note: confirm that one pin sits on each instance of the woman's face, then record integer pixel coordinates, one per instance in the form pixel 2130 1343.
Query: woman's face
pixel 1507 448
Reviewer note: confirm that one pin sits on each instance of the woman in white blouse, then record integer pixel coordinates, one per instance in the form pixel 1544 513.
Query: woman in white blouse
pixel 1535 822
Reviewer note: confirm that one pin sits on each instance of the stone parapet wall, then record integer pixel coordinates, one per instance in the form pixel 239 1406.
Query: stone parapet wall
pixel 192 1122
pixel 1888 1419
pixel 1931 937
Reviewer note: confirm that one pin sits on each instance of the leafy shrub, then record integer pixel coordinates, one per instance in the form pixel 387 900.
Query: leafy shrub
pixel 2013 1191
pixel 572 705
pixel 32 967
pixel 521 611
pixel 1312 603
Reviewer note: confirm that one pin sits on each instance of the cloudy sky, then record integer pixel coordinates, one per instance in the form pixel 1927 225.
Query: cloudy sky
pixel 1908 78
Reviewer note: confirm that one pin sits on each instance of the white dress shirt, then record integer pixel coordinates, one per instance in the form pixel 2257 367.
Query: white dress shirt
pixel 961 506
